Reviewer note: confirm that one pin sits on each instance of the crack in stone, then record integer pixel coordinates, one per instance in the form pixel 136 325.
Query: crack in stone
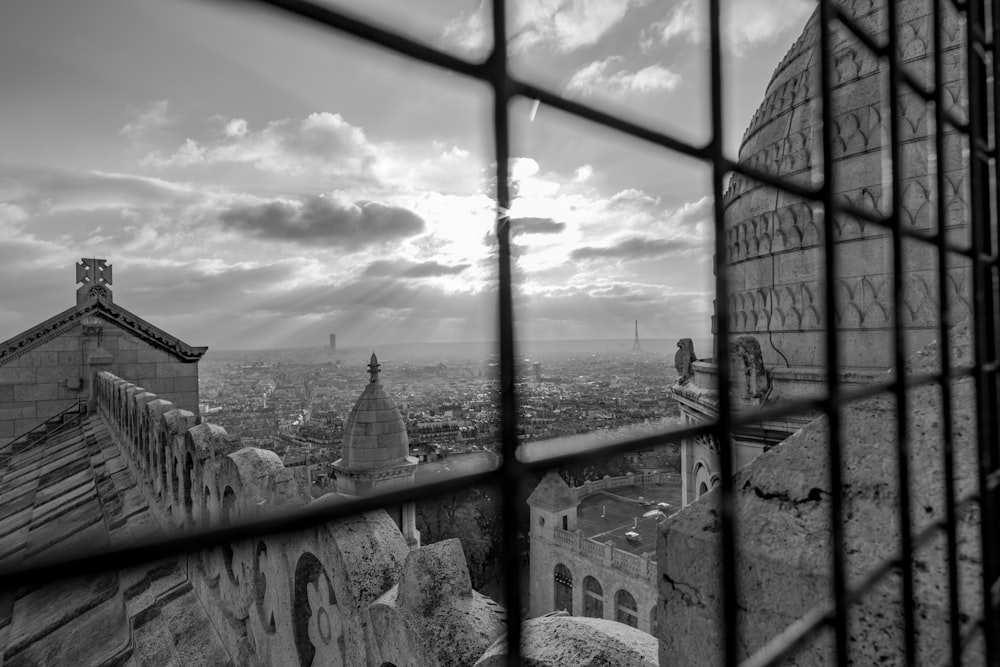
pixel 688 594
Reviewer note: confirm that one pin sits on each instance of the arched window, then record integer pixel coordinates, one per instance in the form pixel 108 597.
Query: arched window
pixel 593 598
pixel 702 489
pixel 563 589
pixel 625 610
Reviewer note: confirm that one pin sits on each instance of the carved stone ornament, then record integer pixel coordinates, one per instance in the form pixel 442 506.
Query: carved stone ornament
pixel 684 358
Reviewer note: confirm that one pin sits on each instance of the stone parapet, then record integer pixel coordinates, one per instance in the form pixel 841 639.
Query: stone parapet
pixel 301 598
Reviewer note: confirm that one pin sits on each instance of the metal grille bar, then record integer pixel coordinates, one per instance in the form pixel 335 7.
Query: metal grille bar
pixel 982 68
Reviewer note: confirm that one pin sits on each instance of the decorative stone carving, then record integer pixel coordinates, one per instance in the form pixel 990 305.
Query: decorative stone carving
pixel 748 372
pixel 684 358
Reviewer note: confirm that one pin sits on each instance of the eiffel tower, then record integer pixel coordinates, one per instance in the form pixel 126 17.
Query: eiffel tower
pixel 635 344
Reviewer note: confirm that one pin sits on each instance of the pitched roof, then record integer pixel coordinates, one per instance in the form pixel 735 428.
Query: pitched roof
pixel 552 493
pixel 104 307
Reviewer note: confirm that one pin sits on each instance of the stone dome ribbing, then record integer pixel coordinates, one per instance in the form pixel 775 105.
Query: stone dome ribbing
pixel 775 239
pixel 375 434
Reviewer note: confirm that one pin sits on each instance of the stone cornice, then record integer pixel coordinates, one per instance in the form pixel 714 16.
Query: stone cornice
pixel 112 312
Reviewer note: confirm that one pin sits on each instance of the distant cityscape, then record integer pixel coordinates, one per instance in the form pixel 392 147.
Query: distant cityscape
pixel 295 402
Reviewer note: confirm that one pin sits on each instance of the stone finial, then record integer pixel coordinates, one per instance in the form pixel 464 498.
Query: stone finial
pixel 373 368
pixel 94 276
pixel 684 358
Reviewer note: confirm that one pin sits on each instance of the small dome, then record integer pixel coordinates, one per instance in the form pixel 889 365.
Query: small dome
pixel 375 434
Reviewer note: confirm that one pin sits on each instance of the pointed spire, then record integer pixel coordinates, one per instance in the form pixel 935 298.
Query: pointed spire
pixel 373 367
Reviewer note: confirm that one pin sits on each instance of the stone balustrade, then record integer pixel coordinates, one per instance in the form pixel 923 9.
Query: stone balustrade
pixel 637 566
pixel 302 598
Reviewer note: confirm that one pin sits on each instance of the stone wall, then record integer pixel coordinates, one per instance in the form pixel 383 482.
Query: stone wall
pixel 784 536
pixel 57 374
pixel 775 239
pixel 301 598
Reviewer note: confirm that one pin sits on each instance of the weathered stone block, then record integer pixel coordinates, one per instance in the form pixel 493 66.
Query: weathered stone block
pixel 18 410
pixel 174 369
pixel 35 392
pixel 70 358
pixel 126 356
pixel 16 375
pixel 160 386
pixel 6 393
pixel 41 358
pixel 135 372
pixel 25 424
pixel 152 356
pixel 46 409
pixel 6 428
pixel 186 384
pixel 56 373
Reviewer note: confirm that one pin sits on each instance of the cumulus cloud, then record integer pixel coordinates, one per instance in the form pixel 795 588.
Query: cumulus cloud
pixel 536 226
pixel 633 247
pixel 407 269
pixel 598 78
pixel 324 219
pixel 560 25
pixel 321 143
pixel 744 22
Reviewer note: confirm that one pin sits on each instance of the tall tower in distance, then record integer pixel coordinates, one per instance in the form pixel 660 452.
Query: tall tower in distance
pixel 333 343
pixel 635 344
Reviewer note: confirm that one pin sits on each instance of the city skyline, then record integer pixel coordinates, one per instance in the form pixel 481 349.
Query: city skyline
pixel 303 184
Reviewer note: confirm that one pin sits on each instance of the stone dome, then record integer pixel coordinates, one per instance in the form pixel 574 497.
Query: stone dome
pixel 775 239
pixel 375 434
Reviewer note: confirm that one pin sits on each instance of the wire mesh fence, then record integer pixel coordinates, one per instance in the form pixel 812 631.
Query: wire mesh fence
pixel 978 129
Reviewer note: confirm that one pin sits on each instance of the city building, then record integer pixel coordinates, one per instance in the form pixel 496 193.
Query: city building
pixel 129 465
pixel 592 550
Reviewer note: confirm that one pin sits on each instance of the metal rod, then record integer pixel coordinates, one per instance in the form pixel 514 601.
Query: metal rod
pixel 838 579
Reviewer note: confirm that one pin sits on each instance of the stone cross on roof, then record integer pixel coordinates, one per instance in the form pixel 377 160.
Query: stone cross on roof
pixel 93 272
pixel 373 367
pixel 94 276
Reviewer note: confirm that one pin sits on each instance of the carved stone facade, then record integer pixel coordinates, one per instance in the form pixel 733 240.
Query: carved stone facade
pixel 775 239
pixel 49 368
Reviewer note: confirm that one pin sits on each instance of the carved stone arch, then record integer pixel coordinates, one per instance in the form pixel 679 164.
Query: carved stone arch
pixel 593 597
pixel 810 317
pixel 780 241
pixel 875 314
pixel 562 588
pixel 626 610
pixel 765 243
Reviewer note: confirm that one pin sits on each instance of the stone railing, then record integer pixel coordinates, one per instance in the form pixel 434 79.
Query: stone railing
pixel 636 566
pixel 329 595
pixel 641 480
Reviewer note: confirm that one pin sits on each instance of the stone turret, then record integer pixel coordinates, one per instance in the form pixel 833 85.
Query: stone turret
pixel 376 455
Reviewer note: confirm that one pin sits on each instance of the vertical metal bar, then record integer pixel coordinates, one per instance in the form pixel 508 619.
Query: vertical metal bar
pixel 986 403
pixel 944 347
pixel 899 344
pixel 730 591
pixel 839 579
pixel 510 473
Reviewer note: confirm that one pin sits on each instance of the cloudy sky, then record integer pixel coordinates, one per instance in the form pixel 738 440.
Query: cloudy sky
pixel 257 182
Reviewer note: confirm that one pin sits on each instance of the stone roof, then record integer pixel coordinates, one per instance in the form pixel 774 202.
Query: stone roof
pixel 99 304
pixel 72 491
pixel 553 493
pixel 375 433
